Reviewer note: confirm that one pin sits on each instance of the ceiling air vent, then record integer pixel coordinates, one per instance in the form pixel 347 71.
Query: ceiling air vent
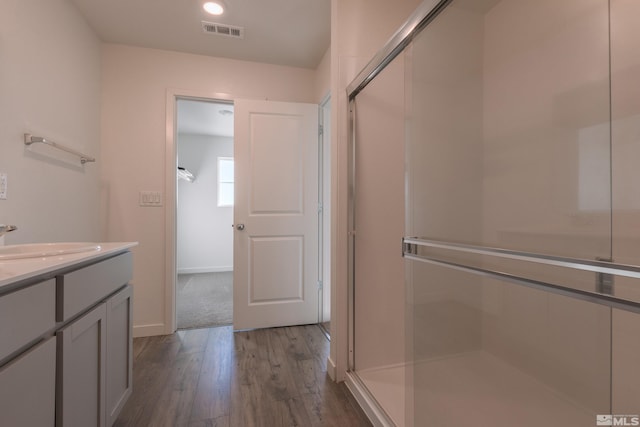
pixel 223 30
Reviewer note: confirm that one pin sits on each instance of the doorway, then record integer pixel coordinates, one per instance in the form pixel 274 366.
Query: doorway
pixel 204 213
pixel 174 266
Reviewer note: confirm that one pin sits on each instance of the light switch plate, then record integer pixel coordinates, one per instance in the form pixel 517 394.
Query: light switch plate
pixel 150 198
pixel 3 186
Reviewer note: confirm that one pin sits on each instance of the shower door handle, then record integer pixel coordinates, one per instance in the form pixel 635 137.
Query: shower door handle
pixel 240 227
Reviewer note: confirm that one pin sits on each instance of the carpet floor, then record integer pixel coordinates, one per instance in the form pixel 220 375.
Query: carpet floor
pixel 204 300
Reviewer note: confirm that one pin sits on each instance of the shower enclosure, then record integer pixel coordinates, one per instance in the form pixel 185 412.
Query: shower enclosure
pixel 495 216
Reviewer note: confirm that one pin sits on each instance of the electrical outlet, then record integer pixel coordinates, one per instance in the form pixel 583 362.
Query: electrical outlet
pixel 3 186
pixel 150 198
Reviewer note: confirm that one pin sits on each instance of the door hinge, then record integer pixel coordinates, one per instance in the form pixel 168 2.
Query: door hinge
pixel 320 130
pixel 319 285
pixel 320 208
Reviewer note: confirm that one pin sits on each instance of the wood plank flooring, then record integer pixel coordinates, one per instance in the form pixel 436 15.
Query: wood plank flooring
pixel 215 378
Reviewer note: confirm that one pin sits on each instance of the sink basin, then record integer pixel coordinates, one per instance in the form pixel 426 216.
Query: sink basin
pixel 38 250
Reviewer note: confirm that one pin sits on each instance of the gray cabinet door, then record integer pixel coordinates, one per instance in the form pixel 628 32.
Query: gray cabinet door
pixel 27 388
pixel 81 370
pixel 119 352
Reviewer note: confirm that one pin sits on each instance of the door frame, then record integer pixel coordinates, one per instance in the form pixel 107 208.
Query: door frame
pixel 171 188
pixel 324 199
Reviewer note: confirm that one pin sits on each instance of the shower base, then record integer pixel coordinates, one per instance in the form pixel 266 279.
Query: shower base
pixel 472 389
pixel 387 387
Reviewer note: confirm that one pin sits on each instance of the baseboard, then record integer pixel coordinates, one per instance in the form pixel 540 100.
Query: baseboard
pixel 196 270
pixel 376 415
pixel 149 330
pixel 331 369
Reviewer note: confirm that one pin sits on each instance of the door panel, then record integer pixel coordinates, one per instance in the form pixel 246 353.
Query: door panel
pixel 276 237
pixel 275 140
pixel 276 267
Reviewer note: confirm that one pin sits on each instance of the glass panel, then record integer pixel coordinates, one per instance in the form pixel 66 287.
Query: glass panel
pixel 625 111
pixel 509 128
pixel 625 372
pixel 379 347
pixel 509 145
pixel 490 353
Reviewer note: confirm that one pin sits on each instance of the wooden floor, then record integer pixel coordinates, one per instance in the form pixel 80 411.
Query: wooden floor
pixel 213 377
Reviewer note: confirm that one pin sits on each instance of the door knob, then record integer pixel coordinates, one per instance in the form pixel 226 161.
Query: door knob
pixel 240 227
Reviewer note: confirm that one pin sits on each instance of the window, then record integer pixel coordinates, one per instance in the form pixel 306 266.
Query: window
pixel 225 181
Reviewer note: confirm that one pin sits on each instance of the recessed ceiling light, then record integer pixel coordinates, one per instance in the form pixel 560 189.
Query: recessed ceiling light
pixel 214 8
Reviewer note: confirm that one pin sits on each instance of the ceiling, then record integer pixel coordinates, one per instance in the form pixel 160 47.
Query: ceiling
pixel 285 32
pixel 293 33
pixel 204 118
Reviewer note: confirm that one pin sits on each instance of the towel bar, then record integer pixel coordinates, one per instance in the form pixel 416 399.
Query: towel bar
pixel 30 139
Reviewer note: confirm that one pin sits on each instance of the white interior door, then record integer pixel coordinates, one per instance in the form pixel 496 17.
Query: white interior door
pixel 275 214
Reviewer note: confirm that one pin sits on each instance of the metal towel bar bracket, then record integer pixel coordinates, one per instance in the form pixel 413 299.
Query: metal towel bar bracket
pixel 30 139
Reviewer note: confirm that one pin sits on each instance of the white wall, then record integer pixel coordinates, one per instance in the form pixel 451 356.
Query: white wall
pixel 204 233
pixel 49 86
pixel 135 87
pixel 323 77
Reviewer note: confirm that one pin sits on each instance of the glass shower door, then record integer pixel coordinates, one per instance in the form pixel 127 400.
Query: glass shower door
pixel 509 127
pixel 502 143
pixel 508 183
pixel 378 353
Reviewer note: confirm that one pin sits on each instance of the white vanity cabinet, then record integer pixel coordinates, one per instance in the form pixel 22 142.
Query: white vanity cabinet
pixel 66 345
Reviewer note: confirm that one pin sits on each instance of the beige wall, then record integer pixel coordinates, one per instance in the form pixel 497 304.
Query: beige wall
pixel 50 87
pixel 134 89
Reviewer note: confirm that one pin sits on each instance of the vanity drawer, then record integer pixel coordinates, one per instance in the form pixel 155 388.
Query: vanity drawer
pixel 82 288
pixel 25 315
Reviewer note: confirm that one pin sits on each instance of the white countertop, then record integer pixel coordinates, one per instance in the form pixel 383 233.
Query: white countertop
pixel 15 270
